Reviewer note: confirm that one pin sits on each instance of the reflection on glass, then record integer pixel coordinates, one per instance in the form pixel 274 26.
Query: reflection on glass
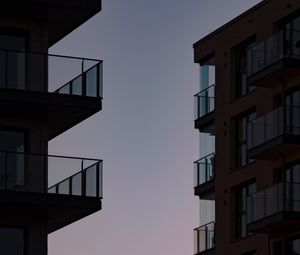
pixel 2 69
pixel 205 102
pixel 77 86
pixel 204 238
pixel 91 179
pixel 13 163
pixel 12 241
pixel 91 82
pixel 64 187
pixel 16 70
pixel 204 170
pixel 52 190
pixel 77 184
pixel 65 89
pixel 100 180
pixel 2 171
pixel 15 171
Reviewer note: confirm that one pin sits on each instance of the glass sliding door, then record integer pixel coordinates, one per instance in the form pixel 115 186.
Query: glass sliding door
pixel 12 241
pixel 12 162
pixel 12 61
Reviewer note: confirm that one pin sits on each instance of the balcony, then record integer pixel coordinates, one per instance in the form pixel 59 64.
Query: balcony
pixel 204 176
pixel 74 190
pixel 274 134
pixel 204 239
pixel 59 90
pixel 274 60
pixel 60 17
pixel 205 110
pixel 275 209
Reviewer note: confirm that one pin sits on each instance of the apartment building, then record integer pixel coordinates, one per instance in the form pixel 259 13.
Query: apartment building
pixel 249 107
pixel 42 96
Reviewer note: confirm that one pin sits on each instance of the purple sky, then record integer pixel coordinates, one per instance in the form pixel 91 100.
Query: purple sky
pixel 145 131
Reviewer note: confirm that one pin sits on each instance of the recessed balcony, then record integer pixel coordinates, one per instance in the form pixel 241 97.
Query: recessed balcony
pixel 274 60
pixel 204 239
pixel 275 209
pixel 60 190
pixel 274 134
pixel 204 177
pixel 205 110
pixel 61 91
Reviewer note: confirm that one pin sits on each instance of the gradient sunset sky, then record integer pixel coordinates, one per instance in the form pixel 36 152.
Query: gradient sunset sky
pixel 145 131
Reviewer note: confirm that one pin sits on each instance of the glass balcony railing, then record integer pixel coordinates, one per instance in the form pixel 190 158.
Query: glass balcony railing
pixel 204 170
pixel 284 196
pixel 205 102
pixel 66 175
pixel 282 44
pixel 284 120
pixel 204 238
pixel 51 73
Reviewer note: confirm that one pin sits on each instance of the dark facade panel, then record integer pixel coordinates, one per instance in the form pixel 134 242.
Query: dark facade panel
pixel 61 17
pixel 55 209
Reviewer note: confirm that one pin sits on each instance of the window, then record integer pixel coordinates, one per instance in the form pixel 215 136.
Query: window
pixel 241 158
pixel 11 159
pixel 207 73
pixel 240 59
pixel 205 99
pixel 241 195
pixel 288 246
pixel 12 241
pixel 12 59
pixel 293 246
pixel 278 248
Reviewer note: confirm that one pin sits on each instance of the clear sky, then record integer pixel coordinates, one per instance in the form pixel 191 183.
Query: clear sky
pixel 145 131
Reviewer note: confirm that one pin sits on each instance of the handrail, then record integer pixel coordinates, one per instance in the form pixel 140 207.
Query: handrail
pixel 50 155
pixel 51 73
pixel 213 85
pixel 211 154
pixel 86 181
pixel 52 55
pixel 273 124
pixel 276 32
pixel 204 237
pixel 205 225
pixel 74 174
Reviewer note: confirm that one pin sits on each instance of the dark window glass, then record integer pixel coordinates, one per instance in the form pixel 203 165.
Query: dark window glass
pixel 241 209
pixel 13 62
pixel 293 247
pixel 241 158
pixel 11 241
pixel 241 84
pixel 12 163
pixel 278 248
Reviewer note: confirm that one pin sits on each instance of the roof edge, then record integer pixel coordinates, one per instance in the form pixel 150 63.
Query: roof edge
pixel 229 23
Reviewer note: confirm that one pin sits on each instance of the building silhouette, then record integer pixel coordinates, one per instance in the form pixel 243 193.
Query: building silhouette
pixel 42 96
pixel 248 116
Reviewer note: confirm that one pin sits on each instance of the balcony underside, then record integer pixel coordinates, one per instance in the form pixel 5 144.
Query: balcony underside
pixel 60 112
pixel 61 16
pixel 57 210
pixel 277 223
pixel 276 73
pixel 206 124
pixel 273 149
pixel 205 191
